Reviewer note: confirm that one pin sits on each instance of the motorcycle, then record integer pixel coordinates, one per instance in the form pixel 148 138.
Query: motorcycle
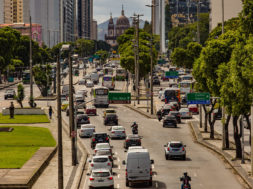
pixel 185 181
pixel 135 131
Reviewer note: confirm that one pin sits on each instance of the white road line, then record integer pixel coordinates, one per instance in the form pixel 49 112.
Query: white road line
pixel 153 166
pixel 118 186
pixel 118 175
pixel 156 185
pixel 119 167
pixel 118 160
pixel 116 153
pixel 195 174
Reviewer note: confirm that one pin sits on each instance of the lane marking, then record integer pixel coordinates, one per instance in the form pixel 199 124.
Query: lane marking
pixel 118 186
pixel 118 175
pixel 119 167
pixel 116 153
pixel 153 166
pixel 156 185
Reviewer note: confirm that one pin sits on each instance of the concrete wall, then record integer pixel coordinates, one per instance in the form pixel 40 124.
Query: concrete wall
pixel 24 111
pixel 231 9
pixel 1 11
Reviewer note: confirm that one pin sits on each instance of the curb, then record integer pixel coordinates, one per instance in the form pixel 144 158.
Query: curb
pixel 141 112
pixel 237 168
pixel 14 83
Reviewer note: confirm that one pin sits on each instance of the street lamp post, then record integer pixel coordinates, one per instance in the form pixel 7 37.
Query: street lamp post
pixel 31 101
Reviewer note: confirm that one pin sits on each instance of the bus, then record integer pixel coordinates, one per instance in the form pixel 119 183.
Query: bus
pixel 100 95
pixel 108 81
pixel 171 94
pixel 120 74
pixel 185 77
pixel 108 71
pixel 26 77
pixel 186 86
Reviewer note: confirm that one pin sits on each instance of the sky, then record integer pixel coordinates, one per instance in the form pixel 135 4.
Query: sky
pixel 102 9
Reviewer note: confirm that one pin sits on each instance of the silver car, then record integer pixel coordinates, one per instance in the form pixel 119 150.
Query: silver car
pixel 100 162
pixel 89 83
pixel 101 178
pixel 185 113
pixel 175 149
pixel 103 146
pixel 117 132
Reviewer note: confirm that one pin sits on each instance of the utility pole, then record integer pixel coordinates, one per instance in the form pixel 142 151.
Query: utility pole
pixel 135 60
pixel 31 66
pixel 222 8
pixel 198 32
pixel 251 128
pixel 59 119
pixel 71 114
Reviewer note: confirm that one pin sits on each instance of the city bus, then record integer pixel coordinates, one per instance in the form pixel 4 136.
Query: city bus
pixel 100 95
pixel 108 71
pixel 120 74
pixel 186 86
pixel 185 77
pixel 108 81
pixel 26 77
pixel 171 94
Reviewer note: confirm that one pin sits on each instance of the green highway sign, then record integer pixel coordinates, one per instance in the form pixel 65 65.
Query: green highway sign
pixel 171 74
pixel 119 98
pixel 198 98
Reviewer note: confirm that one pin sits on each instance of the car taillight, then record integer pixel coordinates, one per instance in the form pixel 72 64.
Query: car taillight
pixel 88 118
pixel 127 140
pixel 109 164
pixel 107 138
pixel 150 171
pixel 126 172
pixel 110 157
pixel 139 140
pixel 183 149
pixel 95 151
pixel 91 179
pixel 91 164
pixel 110 178
pixel 113 132
pixel 168 149
pixel 93 139
pixel 123 132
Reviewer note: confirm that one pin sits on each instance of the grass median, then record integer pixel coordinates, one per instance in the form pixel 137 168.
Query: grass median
pixel 18 146
pixel 24 119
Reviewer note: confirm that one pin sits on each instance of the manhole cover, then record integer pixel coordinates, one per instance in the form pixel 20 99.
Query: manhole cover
pixel 6 129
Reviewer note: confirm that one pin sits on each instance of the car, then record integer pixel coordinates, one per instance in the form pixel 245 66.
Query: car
pixel 91 110
pixel 65 90
pixel 64 105
pixel 156 81
pixel 64 98
pixel 174 105
pixel 9 93
pixel 111 111
pixel 185 113
pixel 166 109
pixel 105 153
pixel 102 146
pixel 100 162
pixel 99 138
pixel 111 119
pixel 82 119
pixel 101 178
pixel 117 132
pixel 183 99
pixel 100 73
pixel 132 140
pixel 193 109
pixel 87 76
pixel 80 104
pixel 175 149
pixel 176 114
pixel 217 114
pixel 78 97
pixel 81 82
pixel 86 130
pixel 82 92
pixel 170 120
pixel 78 111
pixel 89 83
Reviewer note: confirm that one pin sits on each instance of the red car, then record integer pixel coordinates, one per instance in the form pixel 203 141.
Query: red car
pixel 193 108
pixel 91 110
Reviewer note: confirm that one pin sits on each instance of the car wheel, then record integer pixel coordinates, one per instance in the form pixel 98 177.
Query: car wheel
pixel 184 157
pixel 166 157
pixel 112 187
pixel 163 125
pixel 150 182
pixel 127 182
pixel 175 126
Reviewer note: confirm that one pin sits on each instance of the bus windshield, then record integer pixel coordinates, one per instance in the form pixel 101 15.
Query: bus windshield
pixel 185 85
pixel 101 91
pixel 121 71
pixel 107 78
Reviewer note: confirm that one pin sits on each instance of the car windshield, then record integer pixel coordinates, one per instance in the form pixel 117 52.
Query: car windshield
pixel 170 118
pixel 176 145
pixel 184 110
pixel 103 152
pixel 100 160
pixel 110 111
pixel 100 135
pixel 102 146
pixel 100 174
pixel 118 128
pixel 111 116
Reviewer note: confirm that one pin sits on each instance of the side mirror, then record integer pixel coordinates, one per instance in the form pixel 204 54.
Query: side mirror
pixel 111 146
pixel 165 145
pixel 89 161
pixel 124 162
pixel 184 145
pixel 152 161
pixel 125 150
pixel 88 174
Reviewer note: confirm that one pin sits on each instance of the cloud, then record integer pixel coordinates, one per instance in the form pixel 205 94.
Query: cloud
pixel 102 8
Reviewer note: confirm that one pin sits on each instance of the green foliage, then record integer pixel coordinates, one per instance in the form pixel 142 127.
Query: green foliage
pixel 85 47
pixel 21 95
pixel 103 55
pixel 168 22
pixel 246 17
pixel 147 27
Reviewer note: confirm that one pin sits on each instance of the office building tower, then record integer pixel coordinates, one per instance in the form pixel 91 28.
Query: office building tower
pixel 1 11
pixel 85 18
pixel 13 11
pixel 94 34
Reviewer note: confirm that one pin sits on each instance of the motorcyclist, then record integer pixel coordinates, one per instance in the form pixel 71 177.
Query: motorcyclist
pixel 185 181
pixel 134 127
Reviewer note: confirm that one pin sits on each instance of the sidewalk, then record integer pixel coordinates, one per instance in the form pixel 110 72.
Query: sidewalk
pixel 8 84
pixel 242 170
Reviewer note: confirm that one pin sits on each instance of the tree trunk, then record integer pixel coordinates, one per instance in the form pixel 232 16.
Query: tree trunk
pixel 237 138
pixel 249 127
pixel 211 122
pixel 226 131
pixel 206 115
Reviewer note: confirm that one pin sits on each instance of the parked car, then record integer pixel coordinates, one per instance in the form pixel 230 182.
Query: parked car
pixel 82 119
pixel 100 162
pixel 117 132
pixel 101 178
pixel 185 113
pixel 176 114
pixel 169 121
pixel 91 110
pixel 99 138
pixel 9 93
pixel 111 119
pixel 175 149
pixel 132 140
pixel 193 109
pixel 86 130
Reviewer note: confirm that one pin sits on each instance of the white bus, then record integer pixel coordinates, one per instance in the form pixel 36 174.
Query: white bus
pixel 100 95
pixel 108 81
pixel 186 86
pixel 108 71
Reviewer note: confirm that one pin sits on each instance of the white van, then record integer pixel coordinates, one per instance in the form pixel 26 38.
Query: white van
pixel 94 77
pixel 138 166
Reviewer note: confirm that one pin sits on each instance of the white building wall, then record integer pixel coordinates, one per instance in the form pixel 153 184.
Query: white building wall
pixel 231 9
pixel 1 11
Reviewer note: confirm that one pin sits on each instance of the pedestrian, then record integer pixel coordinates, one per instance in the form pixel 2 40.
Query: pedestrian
pixel 50 112
pixel 12 108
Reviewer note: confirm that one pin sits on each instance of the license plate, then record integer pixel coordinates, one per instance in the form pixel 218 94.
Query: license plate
pixel 100 180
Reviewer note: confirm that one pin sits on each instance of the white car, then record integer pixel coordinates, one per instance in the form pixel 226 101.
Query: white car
pixel 100 162
pixel 86 77
pixel 101 178
pixel 102 146
pixel 117 132
pixel 185 113
pixel 81 82
pixel 83 92
pixel 89 83
pixel 175 149
pixel 86 130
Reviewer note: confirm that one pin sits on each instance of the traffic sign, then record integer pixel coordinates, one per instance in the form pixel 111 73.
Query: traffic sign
pixel 171 74
pixel 198 98
pixel 119 98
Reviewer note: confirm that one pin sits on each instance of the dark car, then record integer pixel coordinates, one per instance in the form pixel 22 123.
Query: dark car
pixel 132 140
pixel 82 119
pixel 98 138
pixel 176 114
pixel 170 121
pixel 217 114
pixel 111 119
pixel 9 93
pixel 166 109
pixel 156 81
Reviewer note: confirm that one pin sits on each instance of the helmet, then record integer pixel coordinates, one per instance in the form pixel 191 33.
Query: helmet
pixel 134 122
pixel 185 174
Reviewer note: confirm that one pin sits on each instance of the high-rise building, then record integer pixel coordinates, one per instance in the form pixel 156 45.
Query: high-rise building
pixel 94 34
pixel 68 20
pixel 1 11
pixel 13 11
pixel 85 18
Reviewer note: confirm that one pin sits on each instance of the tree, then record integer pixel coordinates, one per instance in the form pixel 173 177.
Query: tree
pixel 21 95
pixel 246 17
pixel 147 27
pixel 168 22
pixel 85 47
pixel 103 55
